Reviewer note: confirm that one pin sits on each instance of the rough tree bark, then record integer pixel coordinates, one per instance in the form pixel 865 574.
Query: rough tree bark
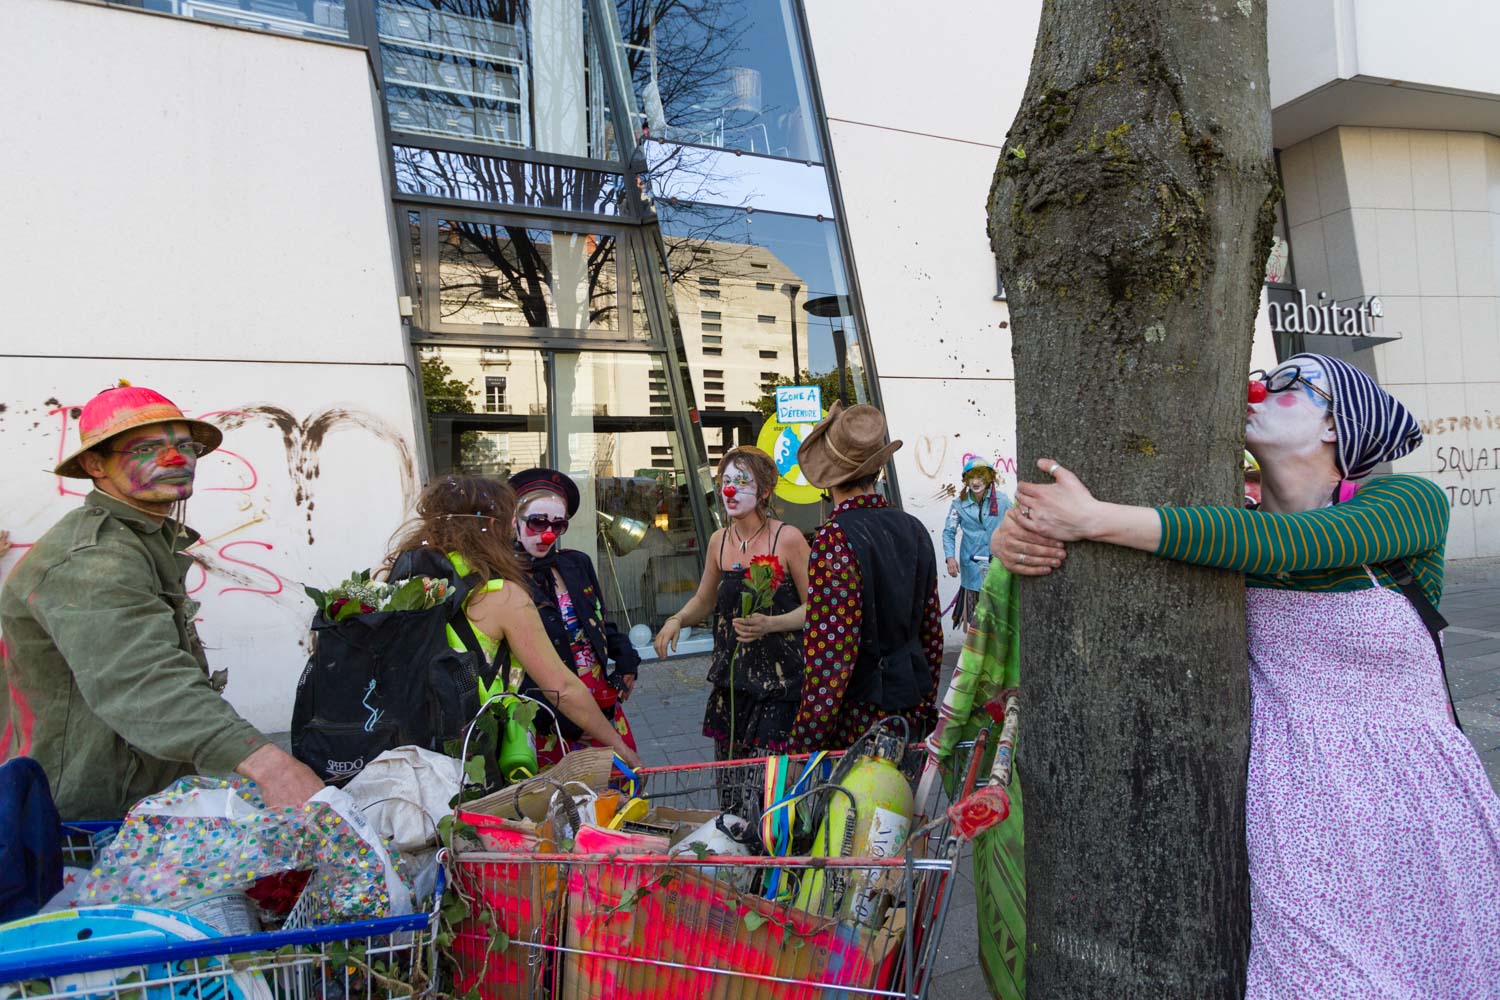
pixel 1131 213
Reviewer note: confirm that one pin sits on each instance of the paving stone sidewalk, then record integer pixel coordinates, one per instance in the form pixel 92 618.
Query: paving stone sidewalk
pixel 667 715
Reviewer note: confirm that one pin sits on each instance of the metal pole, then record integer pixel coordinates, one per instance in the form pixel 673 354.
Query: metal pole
pixel 791 291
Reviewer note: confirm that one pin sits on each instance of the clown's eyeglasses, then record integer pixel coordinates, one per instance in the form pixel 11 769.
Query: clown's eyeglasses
pixel 153 449
pixel 539 523
pixel 1287 377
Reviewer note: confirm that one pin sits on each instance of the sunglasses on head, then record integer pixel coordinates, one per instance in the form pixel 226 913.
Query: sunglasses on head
pixel 539 523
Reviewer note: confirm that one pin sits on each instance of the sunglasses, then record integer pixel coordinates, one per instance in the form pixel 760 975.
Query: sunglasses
pixel 538 523
pixel 1285 378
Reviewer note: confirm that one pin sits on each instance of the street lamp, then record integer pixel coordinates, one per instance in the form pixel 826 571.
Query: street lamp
pixel 834 308
pixel 791 291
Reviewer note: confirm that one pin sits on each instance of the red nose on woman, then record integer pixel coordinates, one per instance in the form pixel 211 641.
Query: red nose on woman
pixel 729 492
pixel 1257 392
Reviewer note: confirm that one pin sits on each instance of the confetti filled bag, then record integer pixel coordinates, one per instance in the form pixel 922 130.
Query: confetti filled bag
pixel 203 837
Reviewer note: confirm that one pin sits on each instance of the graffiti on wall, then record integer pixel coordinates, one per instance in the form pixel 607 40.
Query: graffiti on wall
pixel 238 556
pixel 1455 465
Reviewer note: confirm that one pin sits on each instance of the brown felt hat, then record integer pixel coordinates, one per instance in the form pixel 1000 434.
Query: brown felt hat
pixel 849 444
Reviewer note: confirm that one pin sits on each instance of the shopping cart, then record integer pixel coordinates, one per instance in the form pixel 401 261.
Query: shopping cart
pixel 364 960
pixel 617 926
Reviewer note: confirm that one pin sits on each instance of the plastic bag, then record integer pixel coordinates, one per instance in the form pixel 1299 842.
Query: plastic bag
pixel 205 836
pixel 405 792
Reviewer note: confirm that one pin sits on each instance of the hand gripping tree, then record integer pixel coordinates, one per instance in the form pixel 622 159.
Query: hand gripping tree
pixel 1131 213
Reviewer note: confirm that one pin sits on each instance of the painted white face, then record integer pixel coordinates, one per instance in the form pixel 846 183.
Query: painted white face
pixel 1293 418
pixel 738 490
pixel 976 483
pixel 538 522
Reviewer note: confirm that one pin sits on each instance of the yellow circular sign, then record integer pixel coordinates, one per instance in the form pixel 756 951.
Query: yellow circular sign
pixel 781 442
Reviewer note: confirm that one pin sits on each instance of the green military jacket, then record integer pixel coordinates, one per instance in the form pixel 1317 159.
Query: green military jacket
pixel 109 688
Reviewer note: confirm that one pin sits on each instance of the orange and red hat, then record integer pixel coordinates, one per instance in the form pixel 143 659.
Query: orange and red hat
pixel 123 408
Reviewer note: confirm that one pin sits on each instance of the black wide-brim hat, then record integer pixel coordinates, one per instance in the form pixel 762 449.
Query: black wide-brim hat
pixel 529 481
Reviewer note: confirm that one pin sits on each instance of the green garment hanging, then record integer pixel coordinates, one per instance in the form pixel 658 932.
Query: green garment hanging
pixel 989 664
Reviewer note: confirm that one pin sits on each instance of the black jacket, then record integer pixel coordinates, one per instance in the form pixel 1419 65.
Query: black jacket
pixel 606 640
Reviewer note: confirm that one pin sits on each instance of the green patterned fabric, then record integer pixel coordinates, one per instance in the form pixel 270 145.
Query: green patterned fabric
pixel 989 664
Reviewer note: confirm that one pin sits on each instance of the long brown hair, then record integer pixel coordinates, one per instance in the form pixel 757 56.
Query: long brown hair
pixel 761 468
pixel 471 515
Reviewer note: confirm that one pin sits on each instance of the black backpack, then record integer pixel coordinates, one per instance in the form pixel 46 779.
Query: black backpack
pixel 388 679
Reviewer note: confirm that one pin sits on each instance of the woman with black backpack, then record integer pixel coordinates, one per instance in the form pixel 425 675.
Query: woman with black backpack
pixel 471 520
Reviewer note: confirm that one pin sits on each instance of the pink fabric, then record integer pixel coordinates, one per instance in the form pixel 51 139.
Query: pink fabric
pixel 1373 832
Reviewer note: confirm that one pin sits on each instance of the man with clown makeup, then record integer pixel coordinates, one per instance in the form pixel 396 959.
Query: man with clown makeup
pixel 109 687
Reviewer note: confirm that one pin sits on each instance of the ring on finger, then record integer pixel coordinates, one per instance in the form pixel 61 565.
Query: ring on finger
pixel 1020 557
pixel 1026 512
pixel 1053 470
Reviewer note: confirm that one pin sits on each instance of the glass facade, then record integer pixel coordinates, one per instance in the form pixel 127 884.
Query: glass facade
pixel 619 237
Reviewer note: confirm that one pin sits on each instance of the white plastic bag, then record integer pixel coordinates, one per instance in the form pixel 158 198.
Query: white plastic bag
pixel 404 792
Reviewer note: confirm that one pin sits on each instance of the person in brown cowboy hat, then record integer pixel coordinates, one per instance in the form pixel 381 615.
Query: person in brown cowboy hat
pixel 109 687
pixel 874 640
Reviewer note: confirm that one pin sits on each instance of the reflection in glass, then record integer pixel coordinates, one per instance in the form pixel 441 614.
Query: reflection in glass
pixel 517 276
pixel 486 408
pixel 473 177
pixel 722 73
pixel 505 72
pixel 763 301
pixel 627 463
pixel 306 18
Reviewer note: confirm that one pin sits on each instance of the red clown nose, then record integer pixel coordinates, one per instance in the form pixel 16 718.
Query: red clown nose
pixel 729 492
pixel 548 538
pixel 1257 392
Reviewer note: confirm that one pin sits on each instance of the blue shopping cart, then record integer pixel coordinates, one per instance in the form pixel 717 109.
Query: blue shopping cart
pixel 165 959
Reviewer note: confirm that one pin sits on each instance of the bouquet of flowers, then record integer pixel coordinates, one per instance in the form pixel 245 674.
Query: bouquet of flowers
pixel 360 595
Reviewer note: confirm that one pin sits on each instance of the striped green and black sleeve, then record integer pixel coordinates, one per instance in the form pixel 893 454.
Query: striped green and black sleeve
pixel 1392 517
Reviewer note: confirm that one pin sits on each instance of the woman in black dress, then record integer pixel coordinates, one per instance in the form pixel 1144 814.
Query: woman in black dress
pixel 754 696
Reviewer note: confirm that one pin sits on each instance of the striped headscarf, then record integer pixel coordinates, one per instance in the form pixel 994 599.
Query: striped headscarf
pixel 1372 425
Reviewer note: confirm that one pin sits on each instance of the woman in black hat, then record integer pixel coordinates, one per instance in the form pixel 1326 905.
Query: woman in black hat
pixel 570 600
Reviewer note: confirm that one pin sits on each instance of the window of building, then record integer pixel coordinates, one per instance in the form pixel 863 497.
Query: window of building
pixel 711 282
pixel 764 286
pixel 769 376
pixel 713 373
pixel 494 353
pixel 661 411
pixel 661 463
pixel 322 19
pixel 711 314
pixel 660 450
pixel 709 293
pixel 769 354
pixel 714 409
pixel 429 350
pixel 760 267
pixel 713 339
pixel 659 397
pixel 713 386
pixel 713 352
pixel 494 395
pixel 763 318
pixel 713 327
pixel 713 397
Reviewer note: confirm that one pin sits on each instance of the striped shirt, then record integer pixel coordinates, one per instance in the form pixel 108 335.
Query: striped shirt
pixel 1391 517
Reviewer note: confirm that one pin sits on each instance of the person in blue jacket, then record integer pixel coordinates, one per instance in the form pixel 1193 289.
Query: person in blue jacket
pixel 976 513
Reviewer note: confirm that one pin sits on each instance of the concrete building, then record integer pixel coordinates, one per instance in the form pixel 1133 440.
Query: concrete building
pixel 378 240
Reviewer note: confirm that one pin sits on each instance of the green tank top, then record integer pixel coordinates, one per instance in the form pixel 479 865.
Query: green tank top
pixel 490 645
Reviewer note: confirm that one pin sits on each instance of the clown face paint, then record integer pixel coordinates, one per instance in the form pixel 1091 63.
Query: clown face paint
pixel 976 484
pixel 151 465
pixel 738 490
pixel 1291 419
pixel 538 542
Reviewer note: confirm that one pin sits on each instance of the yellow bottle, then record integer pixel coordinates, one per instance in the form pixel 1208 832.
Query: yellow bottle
pixel 874 824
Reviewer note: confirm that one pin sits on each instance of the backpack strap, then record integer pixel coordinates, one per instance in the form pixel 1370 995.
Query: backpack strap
pixel 464 629
pixel 1400 572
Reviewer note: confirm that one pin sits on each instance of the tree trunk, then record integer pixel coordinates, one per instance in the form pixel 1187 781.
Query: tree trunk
pixel 1131 214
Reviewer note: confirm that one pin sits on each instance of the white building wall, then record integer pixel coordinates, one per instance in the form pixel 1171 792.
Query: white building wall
pixel 918 108
pixel 201 210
